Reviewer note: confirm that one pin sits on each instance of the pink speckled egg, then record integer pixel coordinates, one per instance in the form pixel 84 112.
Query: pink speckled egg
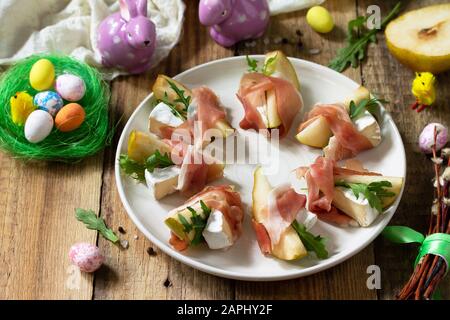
pixel 86 256
pixel 426 138
pixel 70 87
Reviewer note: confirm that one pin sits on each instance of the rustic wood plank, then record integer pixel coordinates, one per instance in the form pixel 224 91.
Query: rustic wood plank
pixel 38 226
pixel 291 34
pixel 132 273
pixel 383 74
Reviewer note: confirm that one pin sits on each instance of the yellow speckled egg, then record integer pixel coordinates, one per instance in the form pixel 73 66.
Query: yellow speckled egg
pixel 70 117
pixel 42 75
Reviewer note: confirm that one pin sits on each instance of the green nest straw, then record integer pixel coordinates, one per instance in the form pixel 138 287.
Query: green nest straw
pixel 92 136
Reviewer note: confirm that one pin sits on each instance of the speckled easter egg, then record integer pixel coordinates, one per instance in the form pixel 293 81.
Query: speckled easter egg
pixel 48 101
pixel 38 126
pixel 42 75
pixel 70 87
pixel 86 256
pixel 70 117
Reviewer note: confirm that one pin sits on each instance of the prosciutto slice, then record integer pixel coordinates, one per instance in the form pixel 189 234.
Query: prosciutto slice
pixel 347 141
pixel 222 198
pixel 320 180
pixel 283 206
pixel 252 94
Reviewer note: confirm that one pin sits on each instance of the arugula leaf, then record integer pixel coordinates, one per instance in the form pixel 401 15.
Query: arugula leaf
pixel 136 170
pixel 185 223
pixel 267 68
pixel 132 168
pixel 90 219
pixel 311 242
pixel 198 223
pixel 157 160
pixel 365 104
pixel 358 38
pixel 373 192
pixel 180 114
pixel 205 208
pixel 185 100
pixel 252 64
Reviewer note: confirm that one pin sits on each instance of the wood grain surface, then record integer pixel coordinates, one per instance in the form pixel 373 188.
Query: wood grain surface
pixel 37 223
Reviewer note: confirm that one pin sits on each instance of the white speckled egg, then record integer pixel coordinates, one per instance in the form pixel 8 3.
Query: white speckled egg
pixel 48 101
pixel 70 87
pixel 38 126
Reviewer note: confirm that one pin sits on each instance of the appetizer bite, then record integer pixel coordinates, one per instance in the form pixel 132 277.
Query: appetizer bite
pixel 342 129
pixel 179 107
pixel 350 196
pixel 271 96
pixel 280 222
pixel 213 216
pixel 150 160
pixel 160 158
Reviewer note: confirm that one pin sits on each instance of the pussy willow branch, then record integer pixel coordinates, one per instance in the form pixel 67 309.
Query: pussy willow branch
pixel 431 269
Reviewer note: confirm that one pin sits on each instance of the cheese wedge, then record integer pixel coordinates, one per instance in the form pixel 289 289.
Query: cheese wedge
pixel 162 181
pixel 162 116
pixel 359 208
pixel 217 233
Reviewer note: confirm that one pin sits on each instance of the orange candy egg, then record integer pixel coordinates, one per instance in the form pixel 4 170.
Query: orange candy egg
pixel 70 117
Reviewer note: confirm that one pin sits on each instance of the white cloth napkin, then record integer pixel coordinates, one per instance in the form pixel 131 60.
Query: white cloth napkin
pixel 283 6
pixel 69 27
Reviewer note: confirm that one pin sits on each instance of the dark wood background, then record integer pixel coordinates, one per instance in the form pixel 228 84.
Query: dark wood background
pixel 37 202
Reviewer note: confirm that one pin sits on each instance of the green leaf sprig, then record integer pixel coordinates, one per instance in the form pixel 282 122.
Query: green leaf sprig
pixel 373 192
pixel 136 169
pixel 183 99
pixel 311 242
pixel 252 64
pixel 358 38
pixel 365 104
pixel 182 114
pixel 197 224
pixel 267 67
pixel 90 219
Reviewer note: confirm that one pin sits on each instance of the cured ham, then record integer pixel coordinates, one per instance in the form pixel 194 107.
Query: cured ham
pixel 252 94
pixel 283 206
pixel 221 198
pixel 347 141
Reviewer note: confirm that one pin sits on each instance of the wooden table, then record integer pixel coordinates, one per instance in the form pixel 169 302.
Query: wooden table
pixel 37 201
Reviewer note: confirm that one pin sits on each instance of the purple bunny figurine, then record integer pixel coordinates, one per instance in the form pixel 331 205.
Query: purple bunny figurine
pixel 127 40
pixel 234 20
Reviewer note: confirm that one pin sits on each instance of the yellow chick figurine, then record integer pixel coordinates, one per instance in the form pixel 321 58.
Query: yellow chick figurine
pixel 424 90
pixel 21 107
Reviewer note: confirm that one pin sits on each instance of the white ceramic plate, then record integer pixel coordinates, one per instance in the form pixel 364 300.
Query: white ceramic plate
pixel 244 260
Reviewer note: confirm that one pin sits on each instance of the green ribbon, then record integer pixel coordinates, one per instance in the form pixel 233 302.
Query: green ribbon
pixel 436 243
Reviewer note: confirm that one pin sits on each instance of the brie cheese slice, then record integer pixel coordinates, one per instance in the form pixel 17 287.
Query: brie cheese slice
pixel 217 232
pixel 357 208
pixel 369 127
pixel 162 181
pixel 162 116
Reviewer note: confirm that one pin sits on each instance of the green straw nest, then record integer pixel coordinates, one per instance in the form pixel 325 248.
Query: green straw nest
pixel 92 136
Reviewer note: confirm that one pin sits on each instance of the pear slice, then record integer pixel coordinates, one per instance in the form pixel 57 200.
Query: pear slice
pixel 397 183
pixel 420 39
pixel 281 67
pixel 175 225
pixel 274 120
pixel 290 247
pixel 142 145
pixel 357 96
pixel 161 87
pixel 316 134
